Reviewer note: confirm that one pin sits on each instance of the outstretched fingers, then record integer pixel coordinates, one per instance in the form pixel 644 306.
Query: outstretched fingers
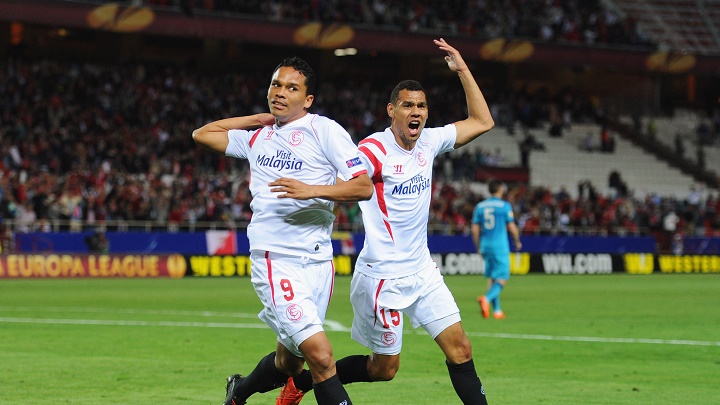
pixel 454 60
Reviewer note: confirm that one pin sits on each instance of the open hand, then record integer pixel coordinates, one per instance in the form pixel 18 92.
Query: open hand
pixel 291 188
pixel 454 60
pixel 266 119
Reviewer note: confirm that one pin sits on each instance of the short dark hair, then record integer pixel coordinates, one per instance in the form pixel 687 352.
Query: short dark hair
pixel 302 67
pixel 411 85
pixel 495 185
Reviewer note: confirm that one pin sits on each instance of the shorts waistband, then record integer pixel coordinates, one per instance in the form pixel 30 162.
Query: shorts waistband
pixel 261 254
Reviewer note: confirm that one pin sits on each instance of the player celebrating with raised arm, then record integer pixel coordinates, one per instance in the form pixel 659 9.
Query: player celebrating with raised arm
pixel 293 275
pixel 492 220
pixel 394 273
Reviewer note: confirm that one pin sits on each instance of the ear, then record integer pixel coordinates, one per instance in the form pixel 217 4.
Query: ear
pixel 391 110
pixel 308 101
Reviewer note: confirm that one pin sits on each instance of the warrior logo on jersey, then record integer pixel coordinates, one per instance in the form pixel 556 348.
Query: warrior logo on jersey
pixel 398 169
pixel 422 161
pixel 269 135
pixel 296 138
pixel 415 185
pixel 283 160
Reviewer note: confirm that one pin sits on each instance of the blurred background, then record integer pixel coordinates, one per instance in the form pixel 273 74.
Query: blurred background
pixel 607 114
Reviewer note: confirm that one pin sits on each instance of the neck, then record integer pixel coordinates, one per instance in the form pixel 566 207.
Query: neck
pixel 403 142
pixel 280 123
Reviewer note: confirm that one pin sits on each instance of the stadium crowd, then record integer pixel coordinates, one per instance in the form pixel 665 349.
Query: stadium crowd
pixel 570 21
pixel 84 144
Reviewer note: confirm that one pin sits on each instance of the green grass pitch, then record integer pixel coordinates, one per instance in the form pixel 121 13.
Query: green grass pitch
pixel 613 339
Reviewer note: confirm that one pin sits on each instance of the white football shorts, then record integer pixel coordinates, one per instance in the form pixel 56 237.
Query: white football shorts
pixel 379 304
pixel 295 293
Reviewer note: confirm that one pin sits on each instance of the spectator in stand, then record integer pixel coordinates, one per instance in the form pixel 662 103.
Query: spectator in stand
pixel 607 140
pixel 652 129
pixel 588 144
pixel 554 21
pixel 679 146
pixel 701 156
pixel 26 219
pixel 703 133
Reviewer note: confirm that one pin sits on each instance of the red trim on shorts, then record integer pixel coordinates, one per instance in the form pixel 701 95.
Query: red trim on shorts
pixel 269 275
pixel 375 305
pixel 332 283
pixel 252 139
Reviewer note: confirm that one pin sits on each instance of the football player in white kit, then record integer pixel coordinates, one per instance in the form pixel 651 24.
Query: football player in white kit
pixel 394 273
pixel 295 158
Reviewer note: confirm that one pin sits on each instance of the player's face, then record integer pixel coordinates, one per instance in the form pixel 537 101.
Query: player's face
pixel 287 96
pixel 408 116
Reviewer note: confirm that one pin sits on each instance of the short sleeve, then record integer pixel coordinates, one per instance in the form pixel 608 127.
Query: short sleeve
pixel 239 143
pixel 510 217
pixel 476 215
pixel 341 151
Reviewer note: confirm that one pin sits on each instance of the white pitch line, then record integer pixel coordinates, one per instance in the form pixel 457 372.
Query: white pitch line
pixel 130 311
pixel 133 323
pixel 594 339
pixel 330 325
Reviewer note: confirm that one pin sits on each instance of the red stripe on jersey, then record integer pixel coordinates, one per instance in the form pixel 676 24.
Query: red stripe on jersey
pixel 380 192
pixel 269 275
pixel 374 142
pixel 377 293
pixel 378 182
pixel 375 162
pixel 252 139
pixel 387 225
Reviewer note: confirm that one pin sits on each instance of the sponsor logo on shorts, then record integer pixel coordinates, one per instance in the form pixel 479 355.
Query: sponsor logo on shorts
pixel 294 312
pixel 388 338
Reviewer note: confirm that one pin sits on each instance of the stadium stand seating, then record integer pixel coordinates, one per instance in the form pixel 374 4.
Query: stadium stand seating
pixel 683 25
pixel 563 164
pixel 685 124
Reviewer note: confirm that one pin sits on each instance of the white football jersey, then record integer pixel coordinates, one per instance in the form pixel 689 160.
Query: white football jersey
pixel 396 216
pixel 313 149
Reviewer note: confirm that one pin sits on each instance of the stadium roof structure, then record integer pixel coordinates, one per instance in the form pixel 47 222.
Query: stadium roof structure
pixel 134 17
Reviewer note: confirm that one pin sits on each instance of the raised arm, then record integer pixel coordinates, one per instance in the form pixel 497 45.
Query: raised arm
pixel 479 119
pixel 214 136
